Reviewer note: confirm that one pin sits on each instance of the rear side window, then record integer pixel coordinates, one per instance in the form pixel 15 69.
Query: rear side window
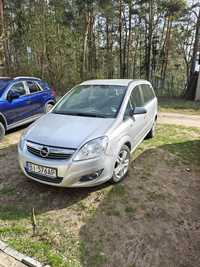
pixel 43 84
pixel 33 87
pixel 18 88
pixel 147 92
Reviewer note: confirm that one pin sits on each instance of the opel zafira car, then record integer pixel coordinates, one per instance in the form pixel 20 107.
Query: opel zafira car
pixel 88 136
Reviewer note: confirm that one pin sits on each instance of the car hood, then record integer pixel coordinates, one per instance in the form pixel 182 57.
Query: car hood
pixel 66 130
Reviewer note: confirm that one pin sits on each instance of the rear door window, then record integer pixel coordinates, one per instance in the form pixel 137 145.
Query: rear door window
pixel 33 87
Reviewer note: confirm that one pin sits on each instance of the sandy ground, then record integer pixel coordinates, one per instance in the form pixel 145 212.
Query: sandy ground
pixel 6 261
pixel 179 119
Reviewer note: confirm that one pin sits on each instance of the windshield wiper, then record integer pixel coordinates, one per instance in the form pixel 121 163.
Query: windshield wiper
pixel 81 114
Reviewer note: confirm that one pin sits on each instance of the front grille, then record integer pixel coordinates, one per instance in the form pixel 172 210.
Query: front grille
pixel 53 153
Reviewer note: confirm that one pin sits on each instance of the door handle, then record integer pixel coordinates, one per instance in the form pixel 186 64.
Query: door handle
pixel 29 102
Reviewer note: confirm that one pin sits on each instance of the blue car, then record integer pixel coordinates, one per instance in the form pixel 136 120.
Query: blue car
pixel 23 100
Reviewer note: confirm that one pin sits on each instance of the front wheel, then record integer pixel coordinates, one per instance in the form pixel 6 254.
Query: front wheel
pixel 121 165
pixel 2 131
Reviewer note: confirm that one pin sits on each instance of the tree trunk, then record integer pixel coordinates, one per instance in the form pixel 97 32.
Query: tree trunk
pixel 125 59
pixel 149 49
pixel 109 56
pixel 166 47
pixel 2 38
pixel 129 40
pixel 85 46
pixel 191 87
pixel 120 39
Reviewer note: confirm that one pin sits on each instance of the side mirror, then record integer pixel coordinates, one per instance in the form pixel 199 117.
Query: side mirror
pixel 12 95
pixel 137 111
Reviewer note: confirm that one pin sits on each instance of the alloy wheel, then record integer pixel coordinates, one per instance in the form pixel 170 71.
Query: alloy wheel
pixel 121 165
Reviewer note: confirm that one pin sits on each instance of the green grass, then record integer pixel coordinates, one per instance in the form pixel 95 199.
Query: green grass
pixel 51 244
pixel 12 229
pixel 178 140
pixel 10 212
pixel 42 249
pixel 179 106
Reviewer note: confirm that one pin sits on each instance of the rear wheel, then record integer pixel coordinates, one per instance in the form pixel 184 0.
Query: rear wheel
pixel 48 107
pixel 121 165
pixel 2 131
pixel 152 132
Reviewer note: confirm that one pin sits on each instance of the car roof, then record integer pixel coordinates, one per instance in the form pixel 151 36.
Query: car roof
pixel 120 82
pixel 26 77
pixel 19 78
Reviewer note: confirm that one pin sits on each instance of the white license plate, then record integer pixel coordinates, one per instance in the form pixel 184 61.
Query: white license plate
pixel 41 170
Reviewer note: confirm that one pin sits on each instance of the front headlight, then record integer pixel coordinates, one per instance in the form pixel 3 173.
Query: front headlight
pixel 92 149
pixel 22 142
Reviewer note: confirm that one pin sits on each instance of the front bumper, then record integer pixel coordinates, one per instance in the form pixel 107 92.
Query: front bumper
pixel 69 172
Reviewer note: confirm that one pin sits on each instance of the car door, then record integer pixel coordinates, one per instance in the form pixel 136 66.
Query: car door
pixel 35 95
pixel 135 124
pixel 150 104
pixel 16 109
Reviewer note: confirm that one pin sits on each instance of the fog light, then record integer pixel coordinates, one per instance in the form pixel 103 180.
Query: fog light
pixel 91 176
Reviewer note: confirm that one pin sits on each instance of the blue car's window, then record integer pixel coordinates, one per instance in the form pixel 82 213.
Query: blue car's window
pixel 18 88
pixel 43 84
pixel 33 87
pixel 92 100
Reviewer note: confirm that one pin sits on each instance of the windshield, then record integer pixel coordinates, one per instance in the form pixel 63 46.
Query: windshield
pixel 92 101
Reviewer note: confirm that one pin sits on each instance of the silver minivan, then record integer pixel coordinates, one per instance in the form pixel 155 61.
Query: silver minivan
pixel 88 136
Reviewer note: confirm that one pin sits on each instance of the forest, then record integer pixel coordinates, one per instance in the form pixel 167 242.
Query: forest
pixel 68 41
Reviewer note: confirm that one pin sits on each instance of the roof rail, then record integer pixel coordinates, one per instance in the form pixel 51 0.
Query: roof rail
pixel 26 77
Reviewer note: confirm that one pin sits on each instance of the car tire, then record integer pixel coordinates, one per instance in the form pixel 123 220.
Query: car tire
pixel 48 107
pixel 152 132
pixel 121 165
pixel 2 131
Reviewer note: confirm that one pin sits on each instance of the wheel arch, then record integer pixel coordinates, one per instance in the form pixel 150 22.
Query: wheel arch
pixel 128 144
pixel 125 140
pixel 51 101
pixel 3 120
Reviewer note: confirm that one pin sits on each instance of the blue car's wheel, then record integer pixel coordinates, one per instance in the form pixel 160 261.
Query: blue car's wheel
pixel 2 131
pixel 48 107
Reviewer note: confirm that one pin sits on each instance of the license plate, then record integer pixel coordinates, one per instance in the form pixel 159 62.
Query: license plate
pixel 41 170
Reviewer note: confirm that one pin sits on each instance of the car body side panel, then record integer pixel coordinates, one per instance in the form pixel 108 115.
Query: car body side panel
pixel 37 103
pixel 151 108
pixel 16 110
